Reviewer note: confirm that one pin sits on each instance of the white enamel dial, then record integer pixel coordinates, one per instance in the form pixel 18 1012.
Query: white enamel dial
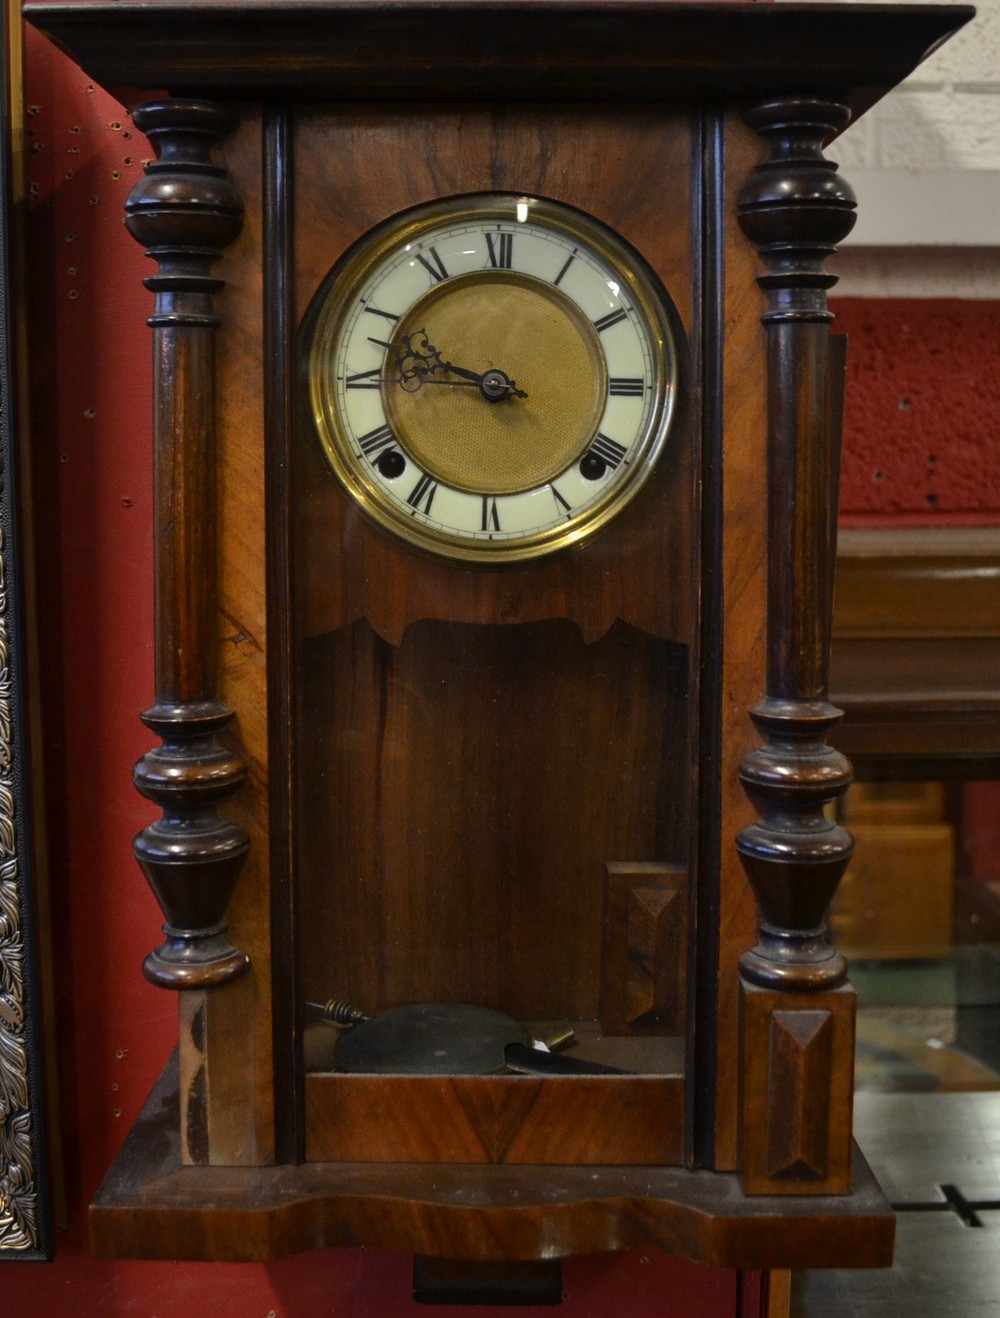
pixel 492 377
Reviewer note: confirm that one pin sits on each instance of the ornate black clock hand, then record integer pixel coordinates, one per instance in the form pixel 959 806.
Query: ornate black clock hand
pixel 418 360
pixel 494 384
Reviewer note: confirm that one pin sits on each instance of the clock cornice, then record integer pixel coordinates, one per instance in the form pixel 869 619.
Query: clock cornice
pixel 634 51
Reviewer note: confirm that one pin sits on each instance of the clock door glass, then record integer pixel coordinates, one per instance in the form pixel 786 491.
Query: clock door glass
pixel 491 377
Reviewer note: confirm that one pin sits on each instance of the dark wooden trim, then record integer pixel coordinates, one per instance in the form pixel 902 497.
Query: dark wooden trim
pixel 708 236
pixel 279 428
pixel 454 50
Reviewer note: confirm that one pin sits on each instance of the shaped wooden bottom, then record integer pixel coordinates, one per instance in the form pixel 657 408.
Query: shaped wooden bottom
pixel 150 1206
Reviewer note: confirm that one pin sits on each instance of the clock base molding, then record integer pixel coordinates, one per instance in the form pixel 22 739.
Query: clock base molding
pixel 153 1206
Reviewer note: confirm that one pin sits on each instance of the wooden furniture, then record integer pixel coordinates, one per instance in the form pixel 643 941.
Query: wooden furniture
pixel 896 899
pixel 401 778
pixel 916 650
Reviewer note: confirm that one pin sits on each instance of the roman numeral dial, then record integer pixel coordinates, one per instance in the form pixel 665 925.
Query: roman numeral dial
pixel 500 247
pixel 491 377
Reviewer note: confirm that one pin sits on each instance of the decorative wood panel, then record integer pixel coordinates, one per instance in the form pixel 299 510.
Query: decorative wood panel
pixel 916 649
pixel 644 960
pixel 598 1120
pixel 799 1075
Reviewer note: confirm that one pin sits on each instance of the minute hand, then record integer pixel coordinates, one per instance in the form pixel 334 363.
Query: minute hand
pixel 494 384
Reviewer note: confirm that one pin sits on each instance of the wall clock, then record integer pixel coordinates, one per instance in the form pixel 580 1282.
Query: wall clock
pixel 443 446
pixel 494 493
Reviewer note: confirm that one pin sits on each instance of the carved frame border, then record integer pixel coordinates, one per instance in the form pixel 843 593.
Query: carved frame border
pixel 25 1223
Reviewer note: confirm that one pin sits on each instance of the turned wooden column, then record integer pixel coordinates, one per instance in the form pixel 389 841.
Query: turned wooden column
pixel 798 1034
pixel 185 212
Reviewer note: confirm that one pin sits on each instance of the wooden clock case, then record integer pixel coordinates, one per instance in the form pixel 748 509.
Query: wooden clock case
pixel 535 787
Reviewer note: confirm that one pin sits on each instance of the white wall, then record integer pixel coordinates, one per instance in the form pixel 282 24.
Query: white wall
pixel 925 163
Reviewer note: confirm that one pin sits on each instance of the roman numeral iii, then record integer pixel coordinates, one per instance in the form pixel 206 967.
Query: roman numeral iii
pixel 376 440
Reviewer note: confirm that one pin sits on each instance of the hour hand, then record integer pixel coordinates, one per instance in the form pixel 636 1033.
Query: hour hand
pixel 420 363
pixel 494 384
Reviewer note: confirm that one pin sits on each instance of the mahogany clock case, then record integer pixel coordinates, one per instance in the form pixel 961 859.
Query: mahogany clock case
pixel 401 779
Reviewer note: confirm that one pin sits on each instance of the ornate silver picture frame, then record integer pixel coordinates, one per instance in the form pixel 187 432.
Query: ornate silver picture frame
pixel 24 1213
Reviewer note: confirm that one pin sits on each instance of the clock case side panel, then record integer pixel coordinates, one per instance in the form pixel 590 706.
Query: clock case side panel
pixel 734 607
pixel 421 619
pixel 209 775
pixel 226 1049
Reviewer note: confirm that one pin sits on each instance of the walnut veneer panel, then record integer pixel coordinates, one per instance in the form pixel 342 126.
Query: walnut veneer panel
pixel 595 1120
pixel 461 795
pixel 631 170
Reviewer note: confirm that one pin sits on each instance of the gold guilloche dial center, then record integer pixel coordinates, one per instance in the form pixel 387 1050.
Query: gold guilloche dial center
pixel 506 322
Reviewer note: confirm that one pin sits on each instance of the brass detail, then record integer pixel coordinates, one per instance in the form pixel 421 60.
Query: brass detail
pixel 520 439
pixel 537 337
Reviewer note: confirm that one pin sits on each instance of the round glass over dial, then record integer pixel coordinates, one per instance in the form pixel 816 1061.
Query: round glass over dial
pixel 492 377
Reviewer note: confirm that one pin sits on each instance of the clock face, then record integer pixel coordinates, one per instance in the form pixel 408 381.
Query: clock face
pixel 492 377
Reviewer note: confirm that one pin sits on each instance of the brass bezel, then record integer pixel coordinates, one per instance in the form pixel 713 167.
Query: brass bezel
pixel 338 293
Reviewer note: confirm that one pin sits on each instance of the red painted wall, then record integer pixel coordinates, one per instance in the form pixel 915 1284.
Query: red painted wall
pixel 922 418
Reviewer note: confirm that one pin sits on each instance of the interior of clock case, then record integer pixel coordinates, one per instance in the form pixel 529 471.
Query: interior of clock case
pixel 492 766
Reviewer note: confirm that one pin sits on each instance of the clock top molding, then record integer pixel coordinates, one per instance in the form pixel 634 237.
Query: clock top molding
pixel 641 51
